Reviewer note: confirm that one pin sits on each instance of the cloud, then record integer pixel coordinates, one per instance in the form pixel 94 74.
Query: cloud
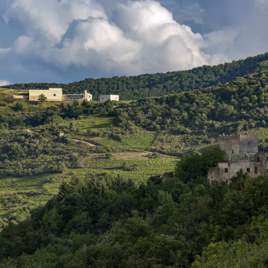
pixel 66 40
pixel 4 83
pixel 247 34
pixel 101 39
pixel 220 42
pixel 230 29
pixel 185 11
pixel 51 19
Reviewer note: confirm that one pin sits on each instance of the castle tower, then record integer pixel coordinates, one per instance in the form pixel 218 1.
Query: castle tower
pixel 240 154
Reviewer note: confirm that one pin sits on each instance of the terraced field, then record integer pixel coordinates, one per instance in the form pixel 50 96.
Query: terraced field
pixel 141 140
pixel 19 195
pixel 136 156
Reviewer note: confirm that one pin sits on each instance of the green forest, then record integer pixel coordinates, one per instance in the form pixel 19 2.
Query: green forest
pixel 82 184
pixel 151 85
pixel 182 222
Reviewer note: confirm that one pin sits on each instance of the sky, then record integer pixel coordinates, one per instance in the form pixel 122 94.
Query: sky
pixel 69 40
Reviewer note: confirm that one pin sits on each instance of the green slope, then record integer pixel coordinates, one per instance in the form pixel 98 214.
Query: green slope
pixel 105 214
pixel 107 221
pixel 148 85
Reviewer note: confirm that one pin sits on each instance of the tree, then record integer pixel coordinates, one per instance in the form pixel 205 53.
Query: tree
pixel 18 107
pixel 190 167
pixel 75 103
pixel 42 98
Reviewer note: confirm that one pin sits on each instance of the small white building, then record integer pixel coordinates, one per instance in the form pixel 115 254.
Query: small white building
pixel 77 96
pixel 109 97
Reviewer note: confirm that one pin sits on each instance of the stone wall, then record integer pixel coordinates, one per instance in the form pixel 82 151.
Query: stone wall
pixel 52 94
pixel 248 144
pixel 226 170
pixel 229 144
pixel 238 144
pixel 263 158
pixel 241 154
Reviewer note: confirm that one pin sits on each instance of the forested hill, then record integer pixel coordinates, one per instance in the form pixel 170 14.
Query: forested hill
pixel 229 108
pixel 149 85
pixel 104 219
pixel 182 222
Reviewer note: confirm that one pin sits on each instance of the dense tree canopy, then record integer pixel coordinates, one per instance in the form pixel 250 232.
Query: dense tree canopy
pixel 105 221
pixel 109 221
pixel 148 85
pixel 229 108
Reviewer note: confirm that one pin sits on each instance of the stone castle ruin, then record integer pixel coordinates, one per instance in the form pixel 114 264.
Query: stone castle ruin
pixel 240 154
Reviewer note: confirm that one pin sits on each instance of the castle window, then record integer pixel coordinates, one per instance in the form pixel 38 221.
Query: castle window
pixel 232 151
pixel 54 95
pixel 266 158
pixel 258 159
pixel 256 170
pixel 226 170
pixel 248 170
pixel 266 171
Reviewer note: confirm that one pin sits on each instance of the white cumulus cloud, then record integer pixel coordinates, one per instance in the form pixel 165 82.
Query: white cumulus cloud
pixel 51 18
pixel 247 37
pixel 4 83
pixel 100 38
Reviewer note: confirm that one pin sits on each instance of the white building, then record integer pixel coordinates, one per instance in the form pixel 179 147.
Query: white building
pixel 78 96
pixel 109 97
pixel 52 94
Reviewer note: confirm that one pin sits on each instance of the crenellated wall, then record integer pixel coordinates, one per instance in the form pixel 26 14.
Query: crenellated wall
pixel 238 144
pixel 241 154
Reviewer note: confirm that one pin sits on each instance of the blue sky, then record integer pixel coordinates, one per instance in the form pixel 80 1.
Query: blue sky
pixel 70 40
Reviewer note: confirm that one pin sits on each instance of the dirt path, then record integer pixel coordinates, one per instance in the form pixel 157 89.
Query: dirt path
pixel 83 160
pixel 92 156
pixel 86 142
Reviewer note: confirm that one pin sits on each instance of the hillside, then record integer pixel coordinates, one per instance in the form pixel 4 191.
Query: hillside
pixel 110 222
pixel 43 145
pixel 149 85
pixel 136 140
pixel 80 183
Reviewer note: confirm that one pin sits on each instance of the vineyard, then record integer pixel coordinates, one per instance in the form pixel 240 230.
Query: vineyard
pixel 19 195
pixel 142 140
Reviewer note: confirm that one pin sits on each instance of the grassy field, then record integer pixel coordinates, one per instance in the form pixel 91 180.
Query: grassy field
pixel 136 166
pixel 142 140
pixel 261 132
pixel 92 122
pixel 135 159
pixel 19 195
